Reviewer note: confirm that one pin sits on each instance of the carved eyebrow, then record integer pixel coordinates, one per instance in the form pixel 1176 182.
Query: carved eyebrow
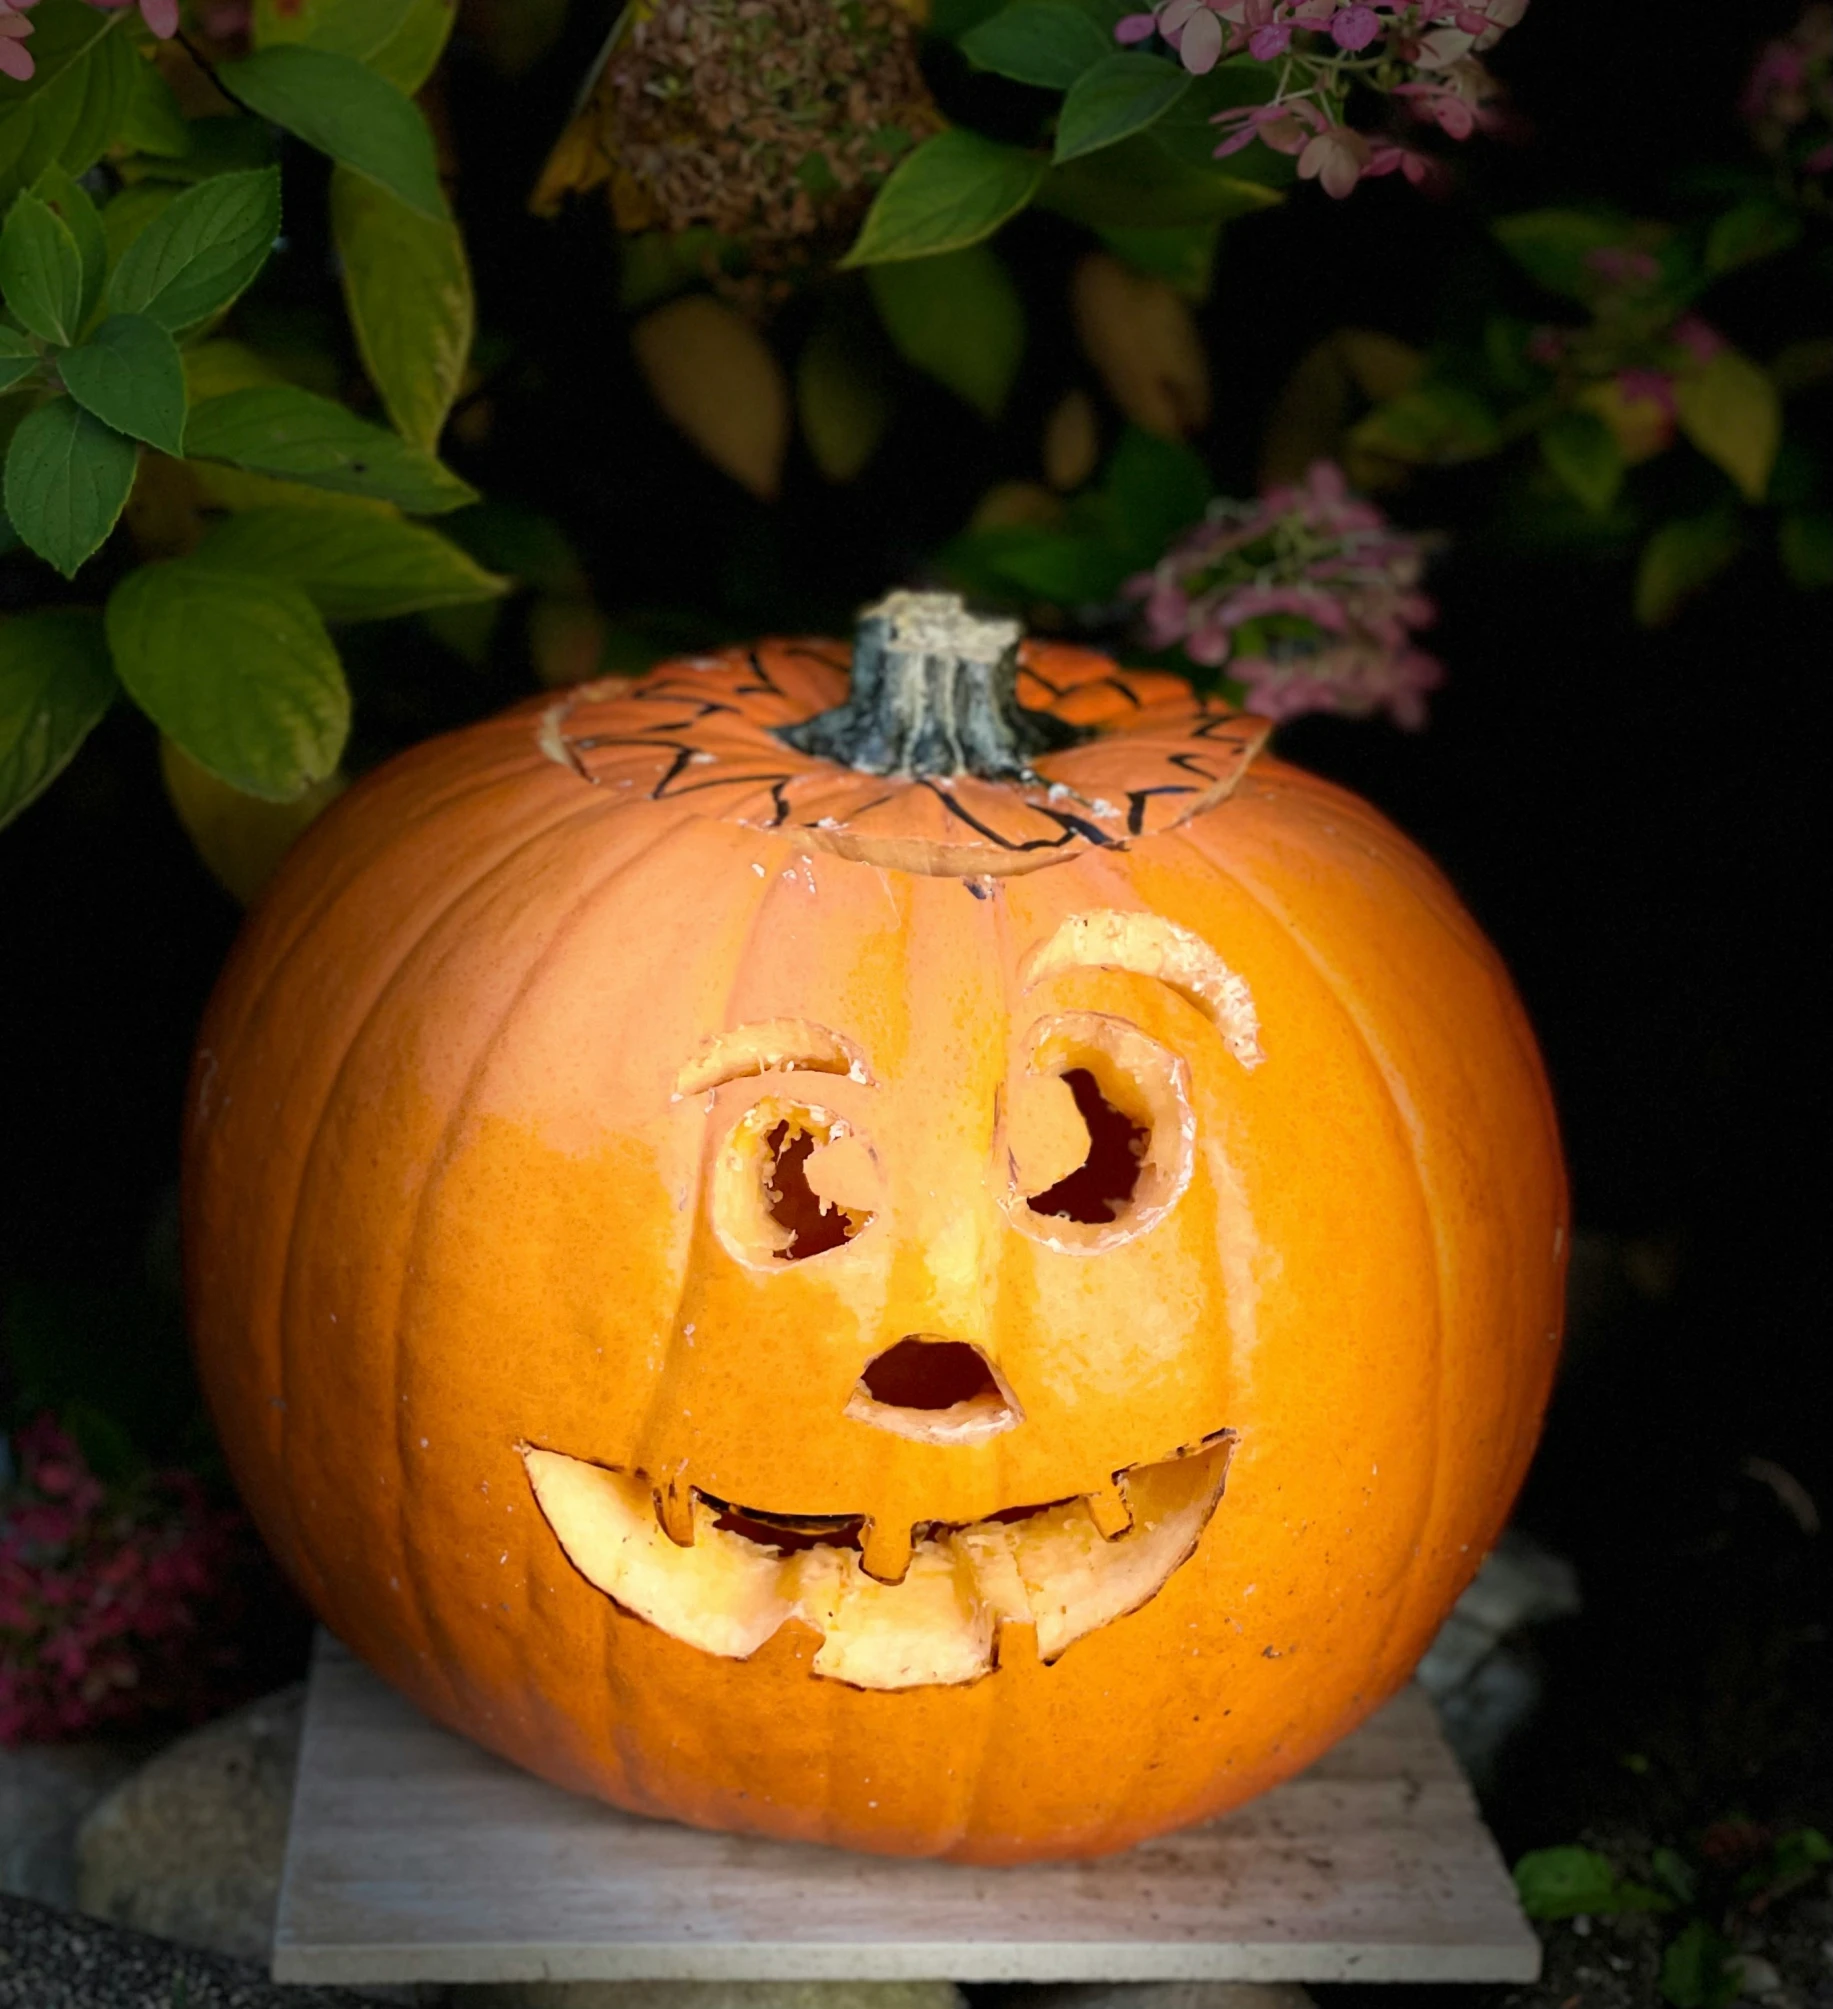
pixel 765 1046
pixel 1151 947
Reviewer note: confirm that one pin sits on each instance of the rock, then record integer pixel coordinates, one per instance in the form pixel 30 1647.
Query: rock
pixel 1485 1685
pixel 51 1960
pixel 45 1790
pixel 1164 1995
pixel 713 1995
pixel 191 1846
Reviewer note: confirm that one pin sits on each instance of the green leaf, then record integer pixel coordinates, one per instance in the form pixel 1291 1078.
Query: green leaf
pixel 1188 132
pixel 1697 1970
pixel 336 105
pixel 957 318
pixel 1806 541
pixel 1047 42
pixel 300 437
pixel 70 111
pixel 1681 558
pixel 955 190
pixel 1583 452
pixel 1554 246
pixel 130 375
pixel 399 39
pixel 1753 230
pixel 411 54
pixel 1574 1882
pixel 656 264
pixel 1436 424
pixel 131 212
pixel 348 27
pixel 1122 95
pixel 1140 185
pixel 1795 1858
pixel 55 684
pixel 355 568
pixel 152 122
pixel 1183 256
pixel 1732 412
pixel 954 19
pixel 68 478
pixel 41 270
pixel 19 356
pixel 1155 488
pixel 237 670
pixel 225 143
pixel 1034 562
pixel 407 284
pixel 69 202
pixel 1675 1874
pixel 201 252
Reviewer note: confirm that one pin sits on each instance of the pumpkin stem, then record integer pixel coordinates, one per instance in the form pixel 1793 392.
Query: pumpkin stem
pixel 935 692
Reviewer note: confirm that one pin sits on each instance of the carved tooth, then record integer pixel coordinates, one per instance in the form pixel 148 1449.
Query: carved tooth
pixel 675 1511
pixel 885 1550
pixel 1108 1507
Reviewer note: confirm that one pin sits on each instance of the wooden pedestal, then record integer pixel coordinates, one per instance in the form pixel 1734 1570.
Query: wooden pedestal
pixel 415 1856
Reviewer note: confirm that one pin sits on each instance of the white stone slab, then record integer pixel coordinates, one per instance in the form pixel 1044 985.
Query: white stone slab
pixel 414 1856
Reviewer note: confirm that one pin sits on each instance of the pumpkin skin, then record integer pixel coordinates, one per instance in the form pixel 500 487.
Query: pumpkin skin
pixel 452 1191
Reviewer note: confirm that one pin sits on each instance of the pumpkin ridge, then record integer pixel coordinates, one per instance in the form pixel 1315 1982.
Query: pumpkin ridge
pixel 278 958
pixel 1458 935
pixel 274 1317
pixel 1147 1756
pixel 286 1274
pixel 1411 1124
pixel 439 1165
pixel 771 889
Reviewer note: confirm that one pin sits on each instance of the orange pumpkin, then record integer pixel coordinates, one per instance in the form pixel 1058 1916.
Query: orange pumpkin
pixel 986 1308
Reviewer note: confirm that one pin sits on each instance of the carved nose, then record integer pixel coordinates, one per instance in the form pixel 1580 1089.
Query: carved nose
pixel 940 1391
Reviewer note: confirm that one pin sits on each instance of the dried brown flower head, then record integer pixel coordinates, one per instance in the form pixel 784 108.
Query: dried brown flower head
pixel 770 121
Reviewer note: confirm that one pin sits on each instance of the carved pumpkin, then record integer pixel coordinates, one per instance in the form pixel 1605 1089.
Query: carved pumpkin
pixel 965 1270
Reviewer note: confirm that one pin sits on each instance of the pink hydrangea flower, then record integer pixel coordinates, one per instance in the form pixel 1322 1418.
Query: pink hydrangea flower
pixel 1309 599
pixel 1422 53
pixel 161 16
pixel 108 1595
pixel 1788 97
pixel 15 57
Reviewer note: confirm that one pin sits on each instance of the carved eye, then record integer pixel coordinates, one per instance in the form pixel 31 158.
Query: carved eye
pixel 1102 1186
pixel 792 1181
pixel 1098 1133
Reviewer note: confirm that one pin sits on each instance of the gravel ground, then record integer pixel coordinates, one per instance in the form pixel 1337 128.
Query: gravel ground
pixel 54 1960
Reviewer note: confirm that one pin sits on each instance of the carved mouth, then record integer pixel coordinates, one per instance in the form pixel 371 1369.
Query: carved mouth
pixel 746 1572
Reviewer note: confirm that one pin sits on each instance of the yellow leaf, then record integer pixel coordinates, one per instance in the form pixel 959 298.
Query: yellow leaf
pixel 1641 427
pixel 240 839
pixel 1142 337
pixel 1009 504
pixel 717 378
pixel 1311 415
pixel 842 404
pixel 407 285
pixel 1732 412
pixel 1072 442
pixel 1382 366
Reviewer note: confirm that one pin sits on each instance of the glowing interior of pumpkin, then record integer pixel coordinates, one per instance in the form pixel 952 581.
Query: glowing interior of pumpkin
pixel 742 1577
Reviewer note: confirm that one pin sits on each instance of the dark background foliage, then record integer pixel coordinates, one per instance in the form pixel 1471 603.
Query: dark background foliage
pixel 1630 813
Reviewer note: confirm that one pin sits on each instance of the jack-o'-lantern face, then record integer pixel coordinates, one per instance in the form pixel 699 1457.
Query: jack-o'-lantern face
pixel 1086 1145
pixel 982 1310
